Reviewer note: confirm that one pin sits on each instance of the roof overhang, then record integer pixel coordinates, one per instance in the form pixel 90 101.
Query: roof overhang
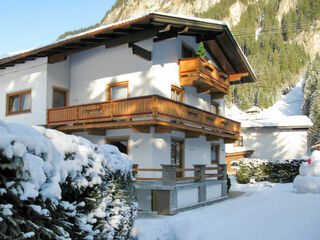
pixel 216 35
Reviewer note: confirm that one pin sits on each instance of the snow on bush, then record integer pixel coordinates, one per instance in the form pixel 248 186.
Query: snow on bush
pixel 58 186
pixel 308 179
pixel 282 171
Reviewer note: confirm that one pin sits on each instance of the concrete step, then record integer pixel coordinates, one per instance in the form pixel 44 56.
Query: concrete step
pixel 147 214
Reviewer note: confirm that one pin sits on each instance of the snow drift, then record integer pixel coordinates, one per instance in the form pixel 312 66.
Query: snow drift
pixel 308 179
pixel 59 186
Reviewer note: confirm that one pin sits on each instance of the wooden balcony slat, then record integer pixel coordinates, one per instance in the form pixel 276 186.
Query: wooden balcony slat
pixel 152 108
pixel 199 73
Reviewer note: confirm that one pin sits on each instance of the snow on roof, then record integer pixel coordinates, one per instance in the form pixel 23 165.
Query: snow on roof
pixel 300 121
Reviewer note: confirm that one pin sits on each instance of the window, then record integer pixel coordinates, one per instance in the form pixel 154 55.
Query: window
pixel 176 94
pixel 215 108
pixel 239 142
pixel 187 52
pixel 121 144
pixel 177 155
pixel 19 102
pixel 59 98
pixel 215 154
pixel 118 91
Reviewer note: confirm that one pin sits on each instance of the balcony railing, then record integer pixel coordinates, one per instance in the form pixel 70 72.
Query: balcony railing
pixel 148 110
pixel 203 75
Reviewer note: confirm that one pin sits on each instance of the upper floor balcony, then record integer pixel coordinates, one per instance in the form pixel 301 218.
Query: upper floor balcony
pixel 204 76
pixel 141 113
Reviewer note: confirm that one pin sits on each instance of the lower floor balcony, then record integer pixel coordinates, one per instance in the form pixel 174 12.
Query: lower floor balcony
pixel 169 193
pixel 142 113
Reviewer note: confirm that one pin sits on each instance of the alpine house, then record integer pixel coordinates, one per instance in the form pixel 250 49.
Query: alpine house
pixel 137 84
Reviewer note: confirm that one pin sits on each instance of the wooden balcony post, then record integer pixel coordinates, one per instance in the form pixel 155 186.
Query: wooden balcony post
pixel 77 113
pixel 154 107
pixel 222 169
pixel 200 173
pixel 112 110
pixel 202 189
pixel 169 174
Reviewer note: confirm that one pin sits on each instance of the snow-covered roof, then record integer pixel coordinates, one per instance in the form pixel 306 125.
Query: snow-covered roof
pixel 150 25
pixel 299 121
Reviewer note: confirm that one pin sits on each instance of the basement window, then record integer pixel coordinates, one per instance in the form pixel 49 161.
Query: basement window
pixel 19 102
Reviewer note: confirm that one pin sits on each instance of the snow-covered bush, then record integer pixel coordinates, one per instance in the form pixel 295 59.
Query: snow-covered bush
pixel 308 179
pixel 263 170
pixel 58 186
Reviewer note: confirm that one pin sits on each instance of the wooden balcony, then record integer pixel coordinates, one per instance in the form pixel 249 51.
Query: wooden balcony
pixel 204 76
pixel 140 114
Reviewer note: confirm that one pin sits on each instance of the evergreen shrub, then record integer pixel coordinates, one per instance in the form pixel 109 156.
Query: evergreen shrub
pixel 274 171
pixel 48 191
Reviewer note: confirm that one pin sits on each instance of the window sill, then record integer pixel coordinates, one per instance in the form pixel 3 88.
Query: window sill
pixel 17 113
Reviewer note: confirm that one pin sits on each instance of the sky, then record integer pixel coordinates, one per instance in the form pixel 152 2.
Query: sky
pixel 26 24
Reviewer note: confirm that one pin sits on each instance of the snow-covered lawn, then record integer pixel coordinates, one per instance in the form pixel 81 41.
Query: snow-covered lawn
pixel 264 211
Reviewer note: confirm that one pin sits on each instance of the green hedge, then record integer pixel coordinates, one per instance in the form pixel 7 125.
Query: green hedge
pixel 274 171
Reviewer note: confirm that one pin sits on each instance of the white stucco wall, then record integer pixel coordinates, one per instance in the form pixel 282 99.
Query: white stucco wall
pixel 275 143
pixel 59 77
pixel 29 75
pixel 213 191
pixel 187 196
pixel 92 70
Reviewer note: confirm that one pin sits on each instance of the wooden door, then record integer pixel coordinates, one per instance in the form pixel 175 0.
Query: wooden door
pixel 177 155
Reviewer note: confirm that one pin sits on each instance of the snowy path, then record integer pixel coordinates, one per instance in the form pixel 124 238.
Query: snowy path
pixel 265 211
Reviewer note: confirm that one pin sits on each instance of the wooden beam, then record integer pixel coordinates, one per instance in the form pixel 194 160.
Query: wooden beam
pixel 134 37
pixel 106 35
pixel 91 40
pixel 190 134
pixel 237 77
pixel 217 95
pixel 171 33
pixel 203 89
pixel 219 56
pixel 213 138
pixel 97 131
pixel 141 129
pixel 229 140
pixel 162 130
pixel 124 30
pixel 59 57
pixel 141 52
pixel 75 45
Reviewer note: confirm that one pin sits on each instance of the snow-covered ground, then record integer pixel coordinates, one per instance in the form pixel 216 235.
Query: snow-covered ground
pixel 264 211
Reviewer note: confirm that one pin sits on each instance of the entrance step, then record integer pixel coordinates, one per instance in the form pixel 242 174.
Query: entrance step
pixel 147 214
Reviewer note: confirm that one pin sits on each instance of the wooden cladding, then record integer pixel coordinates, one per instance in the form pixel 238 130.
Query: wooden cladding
pixel 170 113
pixel 203 75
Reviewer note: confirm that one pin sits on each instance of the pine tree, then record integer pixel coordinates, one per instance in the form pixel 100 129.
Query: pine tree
pixel 201 51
